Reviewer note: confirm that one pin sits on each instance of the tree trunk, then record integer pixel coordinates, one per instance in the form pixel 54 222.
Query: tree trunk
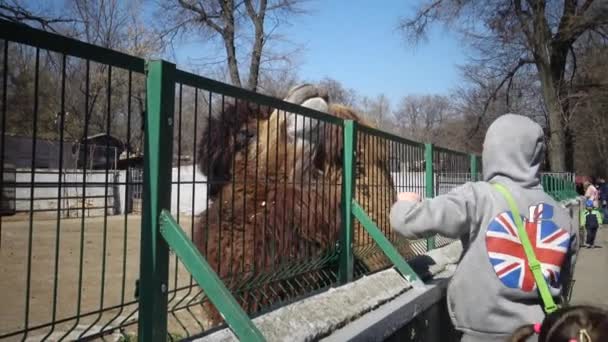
pixel 557 141
pixel 258 43
pixel 569 148
pixel 233 66
pixel 228 35
pixel 256 56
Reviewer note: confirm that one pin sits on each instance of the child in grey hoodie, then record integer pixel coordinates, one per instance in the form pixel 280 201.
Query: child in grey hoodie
pixel 493 291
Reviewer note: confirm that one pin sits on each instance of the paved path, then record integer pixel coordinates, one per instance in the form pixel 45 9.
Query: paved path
pixel 591 273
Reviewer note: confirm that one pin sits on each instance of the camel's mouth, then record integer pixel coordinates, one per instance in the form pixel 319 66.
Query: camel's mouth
pixel 243 138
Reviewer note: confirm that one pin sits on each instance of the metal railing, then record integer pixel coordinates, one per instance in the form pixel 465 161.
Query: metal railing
pixel 67 277
pixel 275 201
pixel 560 185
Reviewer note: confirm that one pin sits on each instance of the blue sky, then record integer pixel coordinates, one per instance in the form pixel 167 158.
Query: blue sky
pixel 356 42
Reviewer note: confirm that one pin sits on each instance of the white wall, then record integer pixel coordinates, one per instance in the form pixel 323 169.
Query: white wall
pixel 46 191
pixel 192 189
pixel 416 181
pixel 409 181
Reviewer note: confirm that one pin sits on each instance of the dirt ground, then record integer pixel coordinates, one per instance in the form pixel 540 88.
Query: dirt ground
pixel 102 280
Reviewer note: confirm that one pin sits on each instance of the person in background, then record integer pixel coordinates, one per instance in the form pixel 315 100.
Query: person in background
pixel 591 193
pixel 493 291
pixel 603 189
pixel 591 219
pixel 578 323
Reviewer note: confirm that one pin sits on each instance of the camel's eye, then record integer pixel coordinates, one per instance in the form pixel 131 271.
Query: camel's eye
pixel 243 137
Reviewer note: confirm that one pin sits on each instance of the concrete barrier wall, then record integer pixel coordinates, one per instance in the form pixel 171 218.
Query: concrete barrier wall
pixel 432 324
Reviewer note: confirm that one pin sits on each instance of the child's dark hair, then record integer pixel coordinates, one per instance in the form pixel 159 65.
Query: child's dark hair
pixel 576 323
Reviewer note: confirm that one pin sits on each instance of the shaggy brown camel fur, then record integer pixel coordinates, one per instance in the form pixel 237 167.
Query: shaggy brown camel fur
pixel 274 182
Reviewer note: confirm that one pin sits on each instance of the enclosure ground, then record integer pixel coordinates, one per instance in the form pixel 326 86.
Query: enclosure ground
pixel 104 285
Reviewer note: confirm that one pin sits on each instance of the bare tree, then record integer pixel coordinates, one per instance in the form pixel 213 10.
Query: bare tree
pixel 421 117
pixel 277 82
pixel 377 110
pixel 229 21
pixel 116 25
pixel 511 35
pixel 338 93
pixel 590 124
pixel 14 11
pixel 113 24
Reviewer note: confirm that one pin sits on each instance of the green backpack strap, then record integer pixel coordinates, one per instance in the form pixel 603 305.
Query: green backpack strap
pixel 541 283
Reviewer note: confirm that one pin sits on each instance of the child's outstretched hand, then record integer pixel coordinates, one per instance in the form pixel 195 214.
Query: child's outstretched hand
pixel 408 196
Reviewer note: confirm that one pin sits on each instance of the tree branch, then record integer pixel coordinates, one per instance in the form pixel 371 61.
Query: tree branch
pixel 251 11
pixel 523 16
pixel 575 26
pixel 203 15
pixel 573 65
pixel 600 33
pixel 18 14
pixel 417 26
pixel 494 93
pixel 507 95
pixel 585 6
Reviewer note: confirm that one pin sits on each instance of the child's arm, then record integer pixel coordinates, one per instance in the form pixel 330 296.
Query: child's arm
pixel 449 215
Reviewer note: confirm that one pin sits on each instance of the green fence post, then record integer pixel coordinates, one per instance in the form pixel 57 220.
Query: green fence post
pixel 429 184
pixel 474 168
pixel 348 183
pixel 386 246
pixel 214 288
pixel 573 192
pixel 154 252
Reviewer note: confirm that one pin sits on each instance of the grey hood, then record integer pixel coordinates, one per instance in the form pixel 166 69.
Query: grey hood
pixel 513 149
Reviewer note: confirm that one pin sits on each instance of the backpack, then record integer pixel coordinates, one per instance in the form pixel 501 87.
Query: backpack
pixel 591 221
pixel 548 303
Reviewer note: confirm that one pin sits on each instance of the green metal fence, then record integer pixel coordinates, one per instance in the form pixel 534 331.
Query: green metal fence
pixel 560 185
pixel 69 253
pixel 249 202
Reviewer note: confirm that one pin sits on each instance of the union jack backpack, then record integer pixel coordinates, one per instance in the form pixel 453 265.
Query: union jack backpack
pixel 541 284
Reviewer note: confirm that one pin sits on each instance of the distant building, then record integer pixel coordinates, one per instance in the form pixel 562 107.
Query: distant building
pixel 93 152
pixel 18 152
pixel 100 151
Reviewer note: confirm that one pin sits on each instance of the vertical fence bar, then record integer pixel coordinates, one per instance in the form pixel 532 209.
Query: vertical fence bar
pixel 474 168
pixel 429 184
pixel 154 253
pixel 573 192
pixel 346 243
